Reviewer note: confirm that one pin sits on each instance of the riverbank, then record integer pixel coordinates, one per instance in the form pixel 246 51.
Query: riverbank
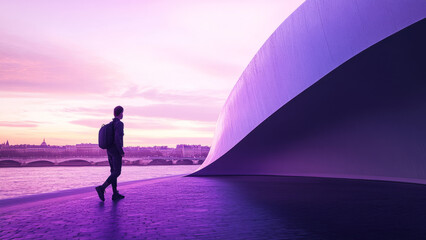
pixel 244 207
pixel 24 181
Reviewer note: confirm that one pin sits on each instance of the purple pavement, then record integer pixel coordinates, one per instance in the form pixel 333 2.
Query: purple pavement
pixel 232 207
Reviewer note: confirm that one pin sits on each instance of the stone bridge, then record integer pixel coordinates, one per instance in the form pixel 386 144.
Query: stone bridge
pixel 102 161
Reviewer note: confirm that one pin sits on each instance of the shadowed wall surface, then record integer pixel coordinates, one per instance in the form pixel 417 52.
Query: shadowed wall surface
pixel 363 119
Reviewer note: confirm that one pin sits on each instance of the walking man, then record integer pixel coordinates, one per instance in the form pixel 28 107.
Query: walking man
pixel 115 156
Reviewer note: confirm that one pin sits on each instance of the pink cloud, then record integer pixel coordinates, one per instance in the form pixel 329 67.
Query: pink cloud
pixel 169 111
pixel 28 66
pixel 223 68
pixel 181 112
pixel 93 123
pixel 97 123
pixel 188 97
pixel 143 124
pixel 25 124
pixel 95 111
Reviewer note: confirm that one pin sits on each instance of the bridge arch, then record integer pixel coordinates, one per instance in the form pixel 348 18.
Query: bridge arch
pixel 40 163
pixel 184 162
pixel 102 163
pixel 74 162
pixel 160 161
pixel 9 163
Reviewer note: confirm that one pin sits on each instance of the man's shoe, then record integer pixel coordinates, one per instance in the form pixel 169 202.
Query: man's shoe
pixel 116 196
pixel 101 192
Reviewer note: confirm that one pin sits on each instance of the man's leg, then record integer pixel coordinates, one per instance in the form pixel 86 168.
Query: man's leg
pixel 117 162
pixel 117 171
pixel 101 189
pixel 110 179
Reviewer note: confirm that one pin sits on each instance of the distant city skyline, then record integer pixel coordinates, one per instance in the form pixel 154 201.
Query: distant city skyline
pixel 46 150
pixel 45 143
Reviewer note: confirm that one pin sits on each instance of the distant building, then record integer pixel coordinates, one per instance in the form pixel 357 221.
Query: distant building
pixel 88 148
pixel 70 148
pixel 5 145
pixel 192 150
pixel 44 144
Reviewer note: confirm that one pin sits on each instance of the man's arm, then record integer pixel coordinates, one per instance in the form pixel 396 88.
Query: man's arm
pixel 118 137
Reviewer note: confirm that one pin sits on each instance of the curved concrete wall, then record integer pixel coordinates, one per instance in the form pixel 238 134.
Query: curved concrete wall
pixel 316 39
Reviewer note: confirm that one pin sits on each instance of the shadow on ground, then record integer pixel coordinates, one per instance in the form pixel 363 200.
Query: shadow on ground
pixel 336 208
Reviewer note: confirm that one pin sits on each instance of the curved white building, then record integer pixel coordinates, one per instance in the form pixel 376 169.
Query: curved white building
pixel 338 90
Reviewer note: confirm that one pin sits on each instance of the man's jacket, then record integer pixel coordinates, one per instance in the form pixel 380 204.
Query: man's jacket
pixel 117 146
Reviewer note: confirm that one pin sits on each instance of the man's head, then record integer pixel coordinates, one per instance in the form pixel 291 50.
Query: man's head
pixel 118 112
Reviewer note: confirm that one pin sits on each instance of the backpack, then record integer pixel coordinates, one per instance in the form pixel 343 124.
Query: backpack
pixel 106 135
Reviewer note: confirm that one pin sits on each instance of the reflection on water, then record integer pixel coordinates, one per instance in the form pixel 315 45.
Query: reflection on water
pixel 16 182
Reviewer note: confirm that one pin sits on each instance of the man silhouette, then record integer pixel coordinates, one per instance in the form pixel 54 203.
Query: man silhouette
pixel 115 156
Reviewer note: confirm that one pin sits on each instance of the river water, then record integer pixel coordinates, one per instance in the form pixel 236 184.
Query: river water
pixel 22 181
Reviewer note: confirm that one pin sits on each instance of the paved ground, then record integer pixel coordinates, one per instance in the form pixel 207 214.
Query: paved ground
pixel 226 208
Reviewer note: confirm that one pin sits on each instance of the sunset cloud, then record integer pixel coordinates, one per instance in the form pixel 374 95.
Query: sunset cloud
pixel 27 66
pixel 214 66
pixel 97 123
pixel 181 112
pixel 64 66
pixel 24 124
pixel 167 111
pixel 149 124
pixel 178 97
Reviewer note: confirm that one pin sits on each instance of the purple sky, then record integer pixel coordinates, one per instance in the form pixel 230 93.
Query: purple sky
pixel 64 65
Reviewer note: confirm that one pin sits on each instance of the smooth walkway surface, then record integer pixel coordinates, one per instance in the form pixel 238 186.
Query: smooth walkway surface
pixel 255 207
